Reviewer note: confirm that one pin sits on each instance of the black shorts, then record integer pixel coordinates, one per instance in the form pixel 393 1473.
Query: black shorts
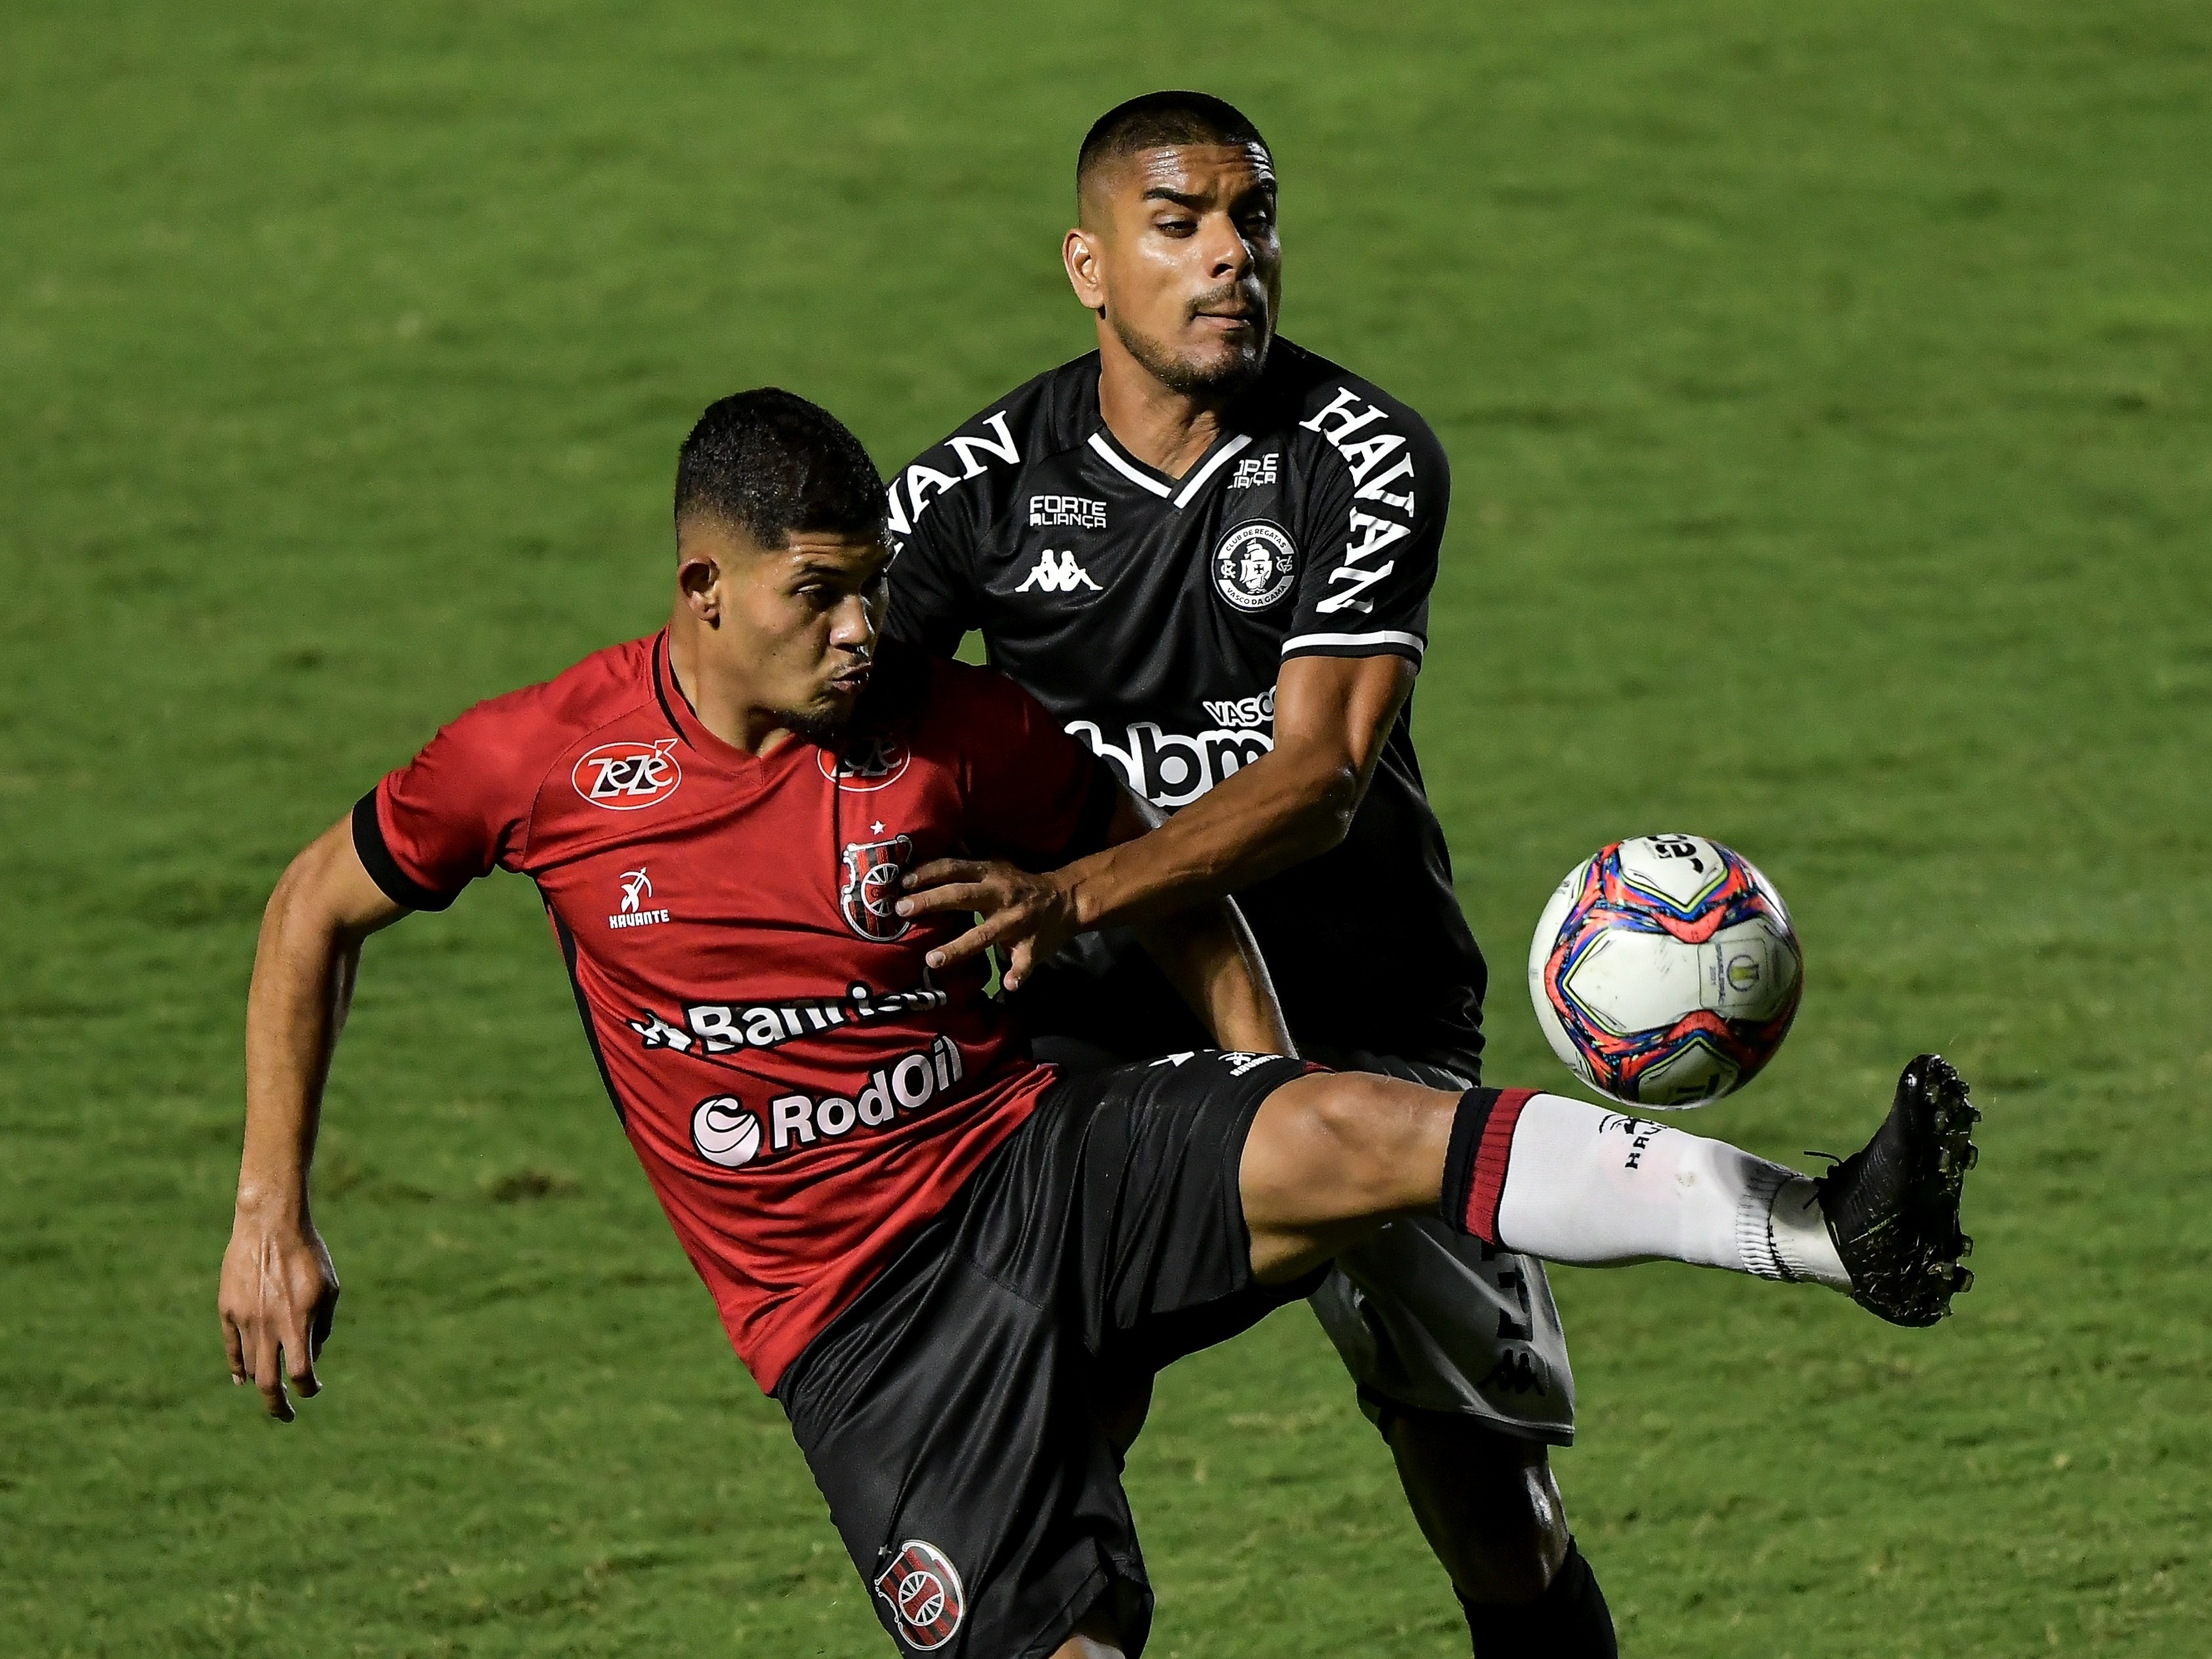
pixel 951 1415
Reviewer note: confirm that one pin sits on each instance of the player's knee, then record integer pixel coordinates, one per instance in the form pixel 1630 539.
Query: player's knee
pixel 1355 1130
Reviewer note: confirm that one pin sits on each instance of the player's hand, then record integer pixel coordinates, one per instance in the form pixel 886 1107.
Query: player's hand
pixel 279 1297
pixel 1029 916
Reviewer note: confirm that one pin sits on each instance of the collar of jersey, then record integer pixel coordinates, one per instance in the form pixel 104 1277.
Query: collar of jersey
pixel 1176 492
pixel 676 709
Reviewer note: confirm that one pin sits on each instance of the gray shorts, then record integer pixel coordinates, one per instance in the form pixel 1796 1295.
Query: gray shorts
pixel 1430 1318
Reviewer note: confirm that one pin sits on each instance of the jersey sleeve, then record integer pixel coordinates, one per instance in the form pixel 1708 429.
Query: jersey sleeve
pixel 933 590
pixel 1375 524
pixel 459 810
pixel 1034 795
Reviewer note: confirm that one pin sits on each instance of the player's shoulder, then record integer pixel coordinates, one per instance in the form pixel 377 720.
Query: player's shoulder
pixel 519 734
pixel 982 458
pixel 1333 410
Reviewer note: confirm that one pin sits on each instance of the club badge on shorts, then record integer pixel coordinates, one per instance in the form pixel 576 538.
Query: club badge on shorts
pixel 867 887
pixel 1255 565
pixel 925 1594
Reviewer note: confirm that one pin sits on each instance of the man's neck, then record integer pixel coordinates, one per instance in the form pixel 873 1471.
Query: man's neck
pixel 1166 429
pixel 723 710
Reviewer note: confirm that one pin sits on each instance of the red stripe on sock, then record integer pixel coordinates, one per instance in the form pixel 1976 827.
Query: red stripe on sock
pixel 1488 1186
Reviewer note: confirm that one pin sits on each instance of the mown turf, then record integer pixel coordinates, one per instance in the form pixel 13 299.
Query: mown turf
pixel 1827 388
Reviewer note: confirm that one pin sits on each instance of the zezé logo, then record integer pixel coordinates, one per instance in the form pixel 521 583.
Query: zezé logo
pixel 622 777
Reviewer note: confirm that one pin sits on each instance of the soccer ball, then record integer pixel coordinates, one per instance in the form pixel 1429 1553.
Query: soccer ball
pixel 1664 971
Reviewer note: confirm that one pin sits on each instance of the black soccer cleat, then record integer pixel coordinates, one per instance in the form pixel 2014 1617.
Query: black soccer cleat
pixel 1892 1207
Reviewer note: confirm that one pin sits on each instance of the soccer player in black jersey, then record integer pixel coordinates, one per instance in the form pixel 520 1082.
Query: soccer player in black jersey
pixel 1209 553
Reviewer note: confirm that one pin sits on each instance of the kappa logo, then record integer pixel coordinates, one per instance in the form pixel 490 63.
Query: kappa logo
pixel 1255 565
pixel 636 887
pixel 625 777
pixel 867 887
pixel 1057 573
pixel 871 763
pixel 924 1593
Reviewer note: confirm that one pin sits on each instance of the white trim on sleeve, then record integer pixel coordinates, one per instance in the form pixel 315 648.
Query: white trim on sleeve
pixel 1381 636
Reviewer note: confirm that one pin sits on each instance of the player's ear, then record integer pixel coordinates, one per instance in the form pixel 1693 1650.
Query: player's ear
pixel 1079 252
pixel 699 582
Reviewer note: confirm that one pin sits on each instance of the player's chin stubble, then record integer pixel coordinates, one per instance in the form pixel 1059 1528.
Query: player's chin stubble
pixel 1191 377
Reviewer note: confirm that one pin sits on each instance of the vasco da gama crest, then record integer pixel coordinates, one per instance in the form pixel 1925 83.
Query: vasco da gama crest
pixel 1255 565
pixel 867 886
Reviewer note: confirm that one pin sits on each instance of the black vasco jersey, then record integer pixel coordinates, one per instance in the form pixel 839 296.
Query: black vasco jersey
pixel 1150 615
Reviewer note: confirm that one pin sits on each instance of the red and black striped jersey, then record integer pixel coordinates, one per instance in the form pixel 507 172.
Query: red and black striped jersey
pixel 803 1092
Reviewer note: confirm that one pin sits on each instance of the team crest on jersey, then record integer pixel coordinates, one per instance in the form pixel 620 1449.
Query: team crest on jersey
pixel 871 763
pixel 867 887
pixel 622 777
pixel 1255 565
pixel 925 1594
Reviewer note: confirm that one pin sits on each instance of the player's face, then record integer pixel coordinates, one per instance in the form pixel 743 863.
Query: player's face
pixel 792 629
pixel 1182 261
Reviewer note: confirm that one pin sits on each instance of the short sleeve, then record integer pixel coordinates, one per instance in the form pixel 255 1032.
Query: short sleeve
pixel 932 591
pixel 456 812
pixel 1034 795
pixel 1376 526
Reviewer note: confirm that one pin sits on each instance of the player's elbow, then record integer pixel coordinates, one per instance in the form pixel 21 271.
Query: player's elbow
pixel 1332 802
pixel 306 901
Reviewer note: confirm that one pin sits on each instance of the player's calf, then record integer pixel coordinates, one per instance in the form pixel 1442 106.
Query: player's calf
pixel 1332 1157
pixel 1572 1183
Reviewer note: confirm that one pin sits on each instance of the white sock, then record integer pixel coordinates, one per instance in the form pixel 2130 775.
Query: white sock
pixel 1592 1188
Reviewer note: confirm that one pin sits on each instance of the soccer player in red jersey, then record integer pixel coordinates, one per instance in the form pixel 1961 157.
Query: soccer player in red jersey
pixel 944 1260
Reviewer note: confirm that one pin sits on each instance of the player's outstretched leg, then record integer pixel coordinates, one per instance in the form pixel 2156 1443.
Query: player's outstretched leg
pixel 1569 1181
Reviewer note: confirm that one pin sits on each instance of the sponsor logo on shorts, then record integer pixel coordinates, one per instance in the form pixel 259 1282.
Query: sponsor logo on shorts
pixel 1255 565
pixel 924 1591
pixel 867 889
pixel 625 777
pixel 870 764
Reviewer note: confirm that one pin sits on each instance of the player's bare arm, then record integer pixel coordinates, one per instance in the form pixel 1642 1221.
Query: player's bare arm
pixel 278 1291
pixel 1332 714
pixel 1197 935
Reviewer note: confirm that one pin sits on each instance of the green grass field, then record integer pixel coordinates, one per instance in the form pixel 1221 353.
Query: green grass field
pixel 1827 388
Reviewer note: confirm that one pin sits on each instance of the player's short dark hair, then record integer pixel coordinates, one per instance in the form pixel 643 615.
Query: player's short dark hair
pixel 768 462
pixel 1160 119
